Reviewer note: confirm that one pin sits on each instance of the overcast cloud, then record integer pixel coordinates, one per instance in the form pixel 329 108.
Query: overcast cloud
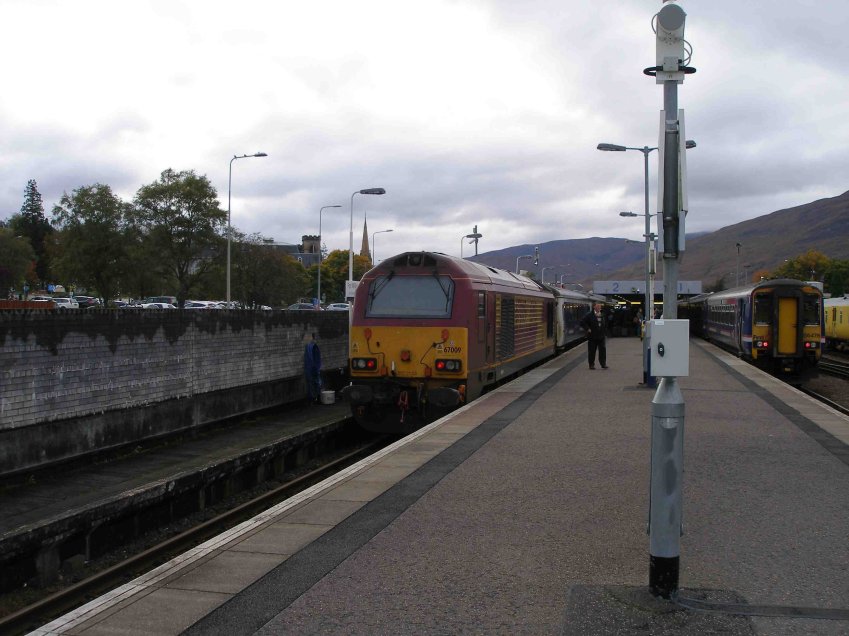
pixel 468 112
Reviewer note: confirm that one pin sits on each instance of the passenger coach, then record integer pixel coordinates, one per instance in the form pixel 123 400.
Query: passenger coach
pixel 775 324
pixel 430 332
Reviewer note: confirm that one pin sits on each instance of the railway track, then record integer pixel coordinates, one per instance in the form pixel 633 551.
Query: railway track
pixel 835 367
pixel 68 598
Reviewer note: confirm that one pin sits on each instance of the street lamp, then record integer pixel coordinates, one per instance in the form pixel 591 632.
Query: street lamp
pixel 561 278
pixel 542 272
pixel 737 275
pixel 229 227
pixel 649 301
pixel 351 235
pixel 373 257
pixel 523 256
pixel 318 290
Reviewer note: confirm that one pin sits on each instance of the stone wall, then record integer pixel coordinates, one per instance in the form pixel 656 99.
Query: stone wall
pixel 77 382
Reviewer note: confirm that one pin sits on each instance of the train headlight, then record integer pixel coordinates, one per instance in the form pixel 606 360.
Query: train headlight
pixel 448 366
pixel 364 364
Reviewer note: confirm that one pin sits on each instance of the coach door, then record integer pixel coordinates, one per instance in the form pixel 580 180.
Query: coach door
pixel 788 326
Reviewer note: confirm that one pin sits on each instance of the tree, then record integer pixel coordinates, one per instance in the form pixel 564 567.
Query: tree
pixel 93 239
pixel 808 266
pixel 16 261
pixel 836 277
pixel 263 275
pixel 32 224
pixel 334 273
pixel 182 222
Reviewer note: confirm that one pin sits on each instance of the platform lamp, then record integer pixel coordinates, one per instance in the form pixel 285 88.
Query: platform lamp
pixel 318 286
pixel 373 256
pixel 351 234
pixel 230 227
pixel 649 301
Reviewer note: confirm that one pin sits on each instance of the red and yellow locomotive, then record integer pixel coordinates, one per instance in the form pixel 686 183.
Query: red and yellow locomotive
pixel 430 332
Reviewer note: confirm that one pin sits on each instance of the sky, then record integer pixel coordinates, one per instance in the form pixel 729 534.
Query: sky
pixel 468 113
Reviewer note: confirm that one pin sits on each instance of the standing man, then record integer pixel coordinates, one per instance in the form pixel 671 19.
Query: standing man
pixel 594 324
pixel 312 368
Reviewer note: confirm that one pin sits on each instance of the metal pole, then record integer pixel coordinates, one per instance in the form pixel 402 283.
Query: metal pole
pixel 649 299
pixel 318 290
pixel 229 227
pixel 351 245
pixel 667 421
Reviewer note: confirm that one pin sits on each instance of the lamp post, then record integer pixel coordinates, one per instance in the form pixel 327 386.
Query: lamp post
pixel 561 278
pixel 649 300
pixel 737 274
pixel 318 286
pixel 523 256
pixel 351 235
pixel 373 257
pixel 229 227
pixel 542 272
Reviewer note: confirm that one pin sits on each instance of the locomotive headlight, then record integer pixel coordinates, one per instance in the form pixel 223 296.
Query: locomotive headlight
pixel 450 366
pixel 364 364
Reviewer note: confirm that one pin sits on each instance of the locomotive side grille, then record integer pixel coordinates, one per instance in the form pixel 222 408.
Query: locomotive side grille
pixel 505 334
pixel 529 336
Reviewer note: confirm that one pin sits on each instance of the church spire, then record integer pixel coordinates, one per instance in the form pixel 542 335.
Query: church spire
pixel 364 250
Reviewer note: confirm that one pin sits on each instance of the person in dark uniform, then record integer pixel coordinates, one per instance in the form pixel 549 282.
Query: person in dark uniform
pixel 594 323
pixel 312 368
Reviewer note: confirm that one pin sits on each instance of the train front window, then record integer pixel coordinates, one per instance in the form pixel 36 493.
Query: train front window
pixel 811 310
pixel 410 297
pixel 763 310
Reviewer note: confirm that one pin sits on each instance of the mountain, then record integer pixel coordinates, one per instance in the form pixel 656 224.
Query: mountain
pixel 766 241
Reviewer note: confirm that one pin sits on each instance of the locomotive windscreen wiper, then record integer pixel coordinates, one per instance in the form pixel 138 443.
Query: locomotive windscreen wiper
pixel 445 291
pixel 379 285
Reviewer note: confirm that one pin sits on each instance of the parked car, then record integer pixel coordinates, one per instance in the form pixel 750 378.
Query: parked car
pixel 302 307
pixel 339 307
pixel 87 301
pixel 40 299
pixel 171 300
pixel 158 306
pixel 201 304
pixel 66 303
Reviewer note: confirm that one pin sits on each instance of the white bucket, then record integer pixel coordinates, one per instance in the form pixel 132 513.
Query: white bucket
pixel 328 397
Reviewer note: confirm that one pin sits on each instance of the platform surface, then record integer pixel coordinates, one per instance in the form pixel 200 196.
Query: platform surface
pixel 525 513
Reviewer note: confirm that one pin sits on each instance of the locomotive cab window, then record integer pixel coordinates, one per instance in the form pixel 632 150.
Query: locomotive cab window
pixel 763 310
pixel 410 297
pixel 811 310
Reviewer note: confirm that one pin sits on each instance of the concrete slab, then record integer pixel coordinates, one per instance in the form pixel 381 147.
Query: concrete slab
pixel 163 612
pixel 226 572
pixel 281 538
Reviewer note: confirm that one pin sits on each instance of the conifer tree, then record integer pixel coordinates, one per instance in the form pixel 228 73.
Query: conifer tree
pixel 32 224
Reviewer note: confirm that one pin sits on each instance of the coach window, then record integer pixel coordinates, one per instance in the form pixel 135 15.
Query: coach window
pixel 410 297
pixel 811 310
pixel 763 310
